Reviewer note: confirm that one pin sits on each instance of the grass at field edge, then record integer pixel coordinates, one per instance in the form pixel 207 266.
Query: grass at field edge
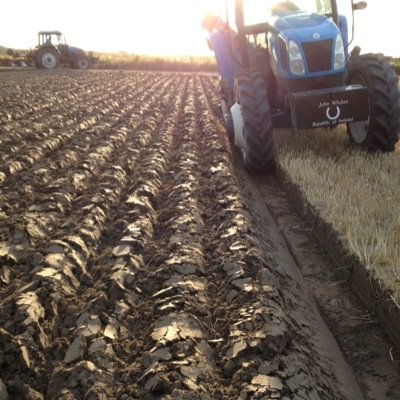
pixel 355 192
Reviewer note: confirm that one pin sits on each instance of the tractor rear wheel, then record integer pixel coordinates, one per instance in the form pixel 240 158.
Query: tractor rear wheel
pixel 251 94
pixel 380 132
pixel 48 58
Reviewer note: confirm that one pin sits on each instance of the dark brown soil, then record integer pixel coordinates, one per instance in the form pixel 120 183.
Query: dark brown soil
pixel 138 260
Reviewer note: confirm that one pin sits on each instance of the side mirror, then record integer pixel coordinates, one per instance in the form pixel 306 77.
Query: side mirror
pixel 361 5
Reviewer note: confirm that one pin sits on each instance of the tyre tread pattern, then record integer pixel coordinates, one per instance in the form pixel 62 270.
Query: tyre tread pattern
pixel 258 132
pixel 383 82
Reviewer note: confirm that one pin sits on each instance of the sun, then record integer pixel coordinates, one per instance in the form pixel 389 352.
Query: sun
pixel 165 27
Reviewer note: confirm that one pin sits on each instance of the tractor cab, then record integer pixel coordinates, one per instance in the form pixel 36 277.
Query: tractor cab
pixel 288 64
pixel 51 38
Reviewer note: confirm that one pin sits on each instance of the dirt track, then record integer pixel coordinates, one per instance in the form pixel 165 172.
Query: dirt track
pixel 139 261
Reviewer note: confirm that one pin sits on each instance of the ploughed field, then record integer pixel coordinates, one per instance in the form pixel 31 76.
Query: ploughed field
pixel 139 261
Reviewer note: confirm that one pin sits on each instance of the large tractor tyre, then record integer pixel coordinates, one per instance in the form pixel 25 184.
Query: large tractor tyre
pixel 381 131
pixel 251 94
pixel 47 58
pixel 81 61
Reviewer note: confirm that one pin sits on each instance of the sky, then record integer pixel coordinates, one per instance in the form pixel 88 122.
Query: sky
pixel 161 27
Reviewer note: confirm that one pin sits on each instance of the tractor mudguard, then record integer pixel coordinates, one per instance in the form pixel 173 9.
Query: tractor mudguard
pixel 73 51
pixel 221 48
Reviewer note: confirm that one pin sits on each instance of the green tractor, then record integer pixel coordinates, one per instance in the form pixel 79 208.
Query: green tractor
pixel 288 64
pixel 53 50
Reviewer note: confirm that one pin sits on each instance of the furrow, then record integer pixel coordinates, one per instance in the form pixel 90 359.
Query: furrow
pixel 47 140
pixel 53 189
pixel 267 348
pixel 63 266
pixel 177 359
pixel 26 106
pixel 111 346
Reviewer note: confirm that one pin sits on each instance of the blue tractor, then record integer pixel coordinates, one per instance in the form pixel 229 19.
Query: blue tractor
pixel 53 50
pixel 288 65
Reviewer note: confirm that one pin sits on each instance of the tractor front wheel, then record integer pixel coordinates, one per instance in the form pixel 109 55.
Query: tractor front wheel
pixel 81 62
pixel 251 95
pixel 48 58
pixel 380 132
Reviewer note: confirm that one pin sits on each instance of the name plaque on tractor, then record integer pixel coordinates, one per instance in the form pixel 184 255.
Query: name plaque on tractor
pixel 329 107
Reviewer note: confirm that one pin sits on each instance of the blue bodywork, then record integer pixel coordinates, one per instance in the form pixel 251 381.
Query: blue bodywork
pixel 70 54
pixel 300 27
pixel 74 50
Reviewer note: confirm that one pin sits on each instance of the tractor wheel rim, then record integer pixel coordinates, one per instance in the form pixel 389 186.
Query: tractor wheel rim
pixel 359 130
pixel 49 60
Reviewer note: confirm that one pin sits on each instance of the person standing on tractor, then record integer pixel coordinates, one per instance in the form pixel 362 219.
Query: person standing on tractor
pixel 212 23
pixel 222 39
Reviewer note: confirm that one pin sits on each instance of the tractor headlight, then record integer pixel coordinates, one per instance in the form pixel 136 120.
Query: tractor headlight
pixel 339 58
pixel 296 62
